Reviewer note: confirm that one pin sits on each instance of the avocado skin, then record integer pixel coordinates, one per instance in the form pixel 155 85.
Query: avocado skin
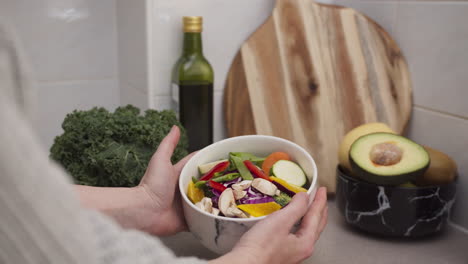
pixel 386 180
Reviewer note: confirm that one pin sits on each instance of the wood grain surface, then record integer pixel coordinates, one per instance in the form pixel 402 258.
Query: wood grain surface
pixel 311 73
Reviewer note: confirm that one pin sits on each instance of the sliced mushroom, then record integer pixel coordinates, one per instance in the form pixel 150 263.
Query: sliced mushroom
pixel 234 211
pixel 200 206
pixel 239 194
pixel 242 185
pixel 205 205
pixel 208 203
pixel 227 204
pixel 215 211
pixel 264 186
pixel 226 200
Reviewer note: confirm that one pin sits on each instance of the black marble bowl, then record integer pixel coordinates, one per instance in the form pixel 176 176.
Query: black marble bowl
pixel 392 210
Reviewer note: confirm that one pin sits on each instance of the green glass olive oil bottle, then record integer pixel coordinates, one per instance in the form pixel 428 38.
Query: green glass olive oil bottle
pixel 192 87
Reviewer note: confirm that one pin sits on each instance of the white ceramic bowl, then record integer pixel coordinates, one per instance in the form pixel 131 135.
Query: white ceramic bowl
pixel 219 233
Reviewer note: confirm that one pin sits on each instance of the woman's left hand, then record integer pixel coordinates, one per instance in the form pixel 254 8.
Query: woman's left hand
pixel 160 184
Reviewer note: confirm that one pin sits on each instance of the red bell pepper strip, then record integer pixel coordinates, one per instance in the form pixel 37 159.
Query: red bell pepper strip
pixel 218 168
pixel 217 186
pixel 257 173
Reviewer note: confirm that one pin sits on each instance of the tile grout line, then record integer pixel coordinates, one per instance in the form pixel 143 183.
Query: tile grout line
pixel 117 46
pixel 129 85
pixel 441 112
pixel 48 82
pixel 150 6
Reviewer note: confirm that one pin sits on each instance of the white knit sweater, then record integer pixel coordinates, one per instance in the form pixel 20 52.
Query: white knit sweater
pixel 41 220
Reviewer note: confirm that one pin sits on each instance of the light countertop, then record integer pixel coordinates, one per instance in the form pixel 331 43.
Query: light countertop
pixel 340 243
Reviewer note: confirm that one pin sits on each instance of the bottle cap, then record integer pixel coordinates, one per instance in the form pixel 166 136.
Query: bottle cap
pixel 193 24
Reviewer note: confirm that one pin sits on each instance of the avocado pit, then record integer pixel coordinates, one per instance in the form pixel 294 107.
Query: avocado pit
pixel 386 154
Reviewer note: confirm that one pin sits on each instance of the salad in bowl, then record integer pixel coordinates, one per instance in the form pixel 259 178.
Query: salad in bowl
pixel 245 185
pixel 242 194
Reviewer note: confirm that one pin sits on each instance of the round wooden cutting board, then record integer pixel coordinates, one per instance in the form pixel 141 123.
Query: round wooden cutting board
pixel 311 73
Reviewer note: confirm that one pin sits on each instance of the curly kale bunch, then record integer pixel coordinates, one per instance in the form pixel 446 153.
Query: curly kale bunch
pixel 101 148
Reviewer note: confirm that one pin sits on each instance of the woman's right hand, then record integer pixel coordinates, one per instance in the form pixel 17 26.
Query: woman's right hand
pixel 271 240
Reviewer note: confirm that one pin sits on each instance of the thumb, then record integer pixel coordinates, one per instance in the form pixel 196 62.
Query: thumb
pixel 285 218
pixel 164 152
pixel 167 145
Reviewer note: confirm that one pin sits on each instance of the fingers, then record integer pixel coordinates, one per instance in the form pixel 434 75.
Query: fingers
pixel 312 221
pixel 285 218
pixel 323 221
pixel 180 212
pixel 168 145
pixel 180 165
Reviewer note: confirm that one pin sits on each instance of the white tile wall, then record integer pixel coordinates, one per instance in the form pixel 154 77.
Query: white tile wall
pixel 59 98
pixel 161 102
pixel 434 38
pixel 132 44
pixel 131 95
pixel 71 45
pixel 66 39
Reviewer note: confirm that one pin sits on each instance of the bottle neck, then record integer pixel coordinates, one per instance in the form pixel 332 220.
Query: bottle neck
pixel 192 44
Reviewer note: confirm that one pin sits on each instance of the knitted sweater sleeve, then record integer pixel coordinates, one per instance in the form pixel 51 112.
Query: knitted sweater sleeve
pixel 41 220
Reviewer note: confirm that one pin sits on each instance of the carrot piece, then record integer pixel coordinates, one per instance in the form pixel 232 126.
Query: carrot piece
pixel 272 159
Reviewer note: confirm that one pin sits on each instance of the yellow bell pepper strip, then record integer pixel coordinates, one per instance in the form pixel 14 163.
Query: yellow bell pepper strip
pixel 259 209
pixel 194 194
pixel 291 187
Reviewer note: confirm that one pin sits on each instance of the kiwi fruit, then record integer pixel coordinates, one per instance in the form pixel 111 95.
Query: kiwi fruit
pixel 442 169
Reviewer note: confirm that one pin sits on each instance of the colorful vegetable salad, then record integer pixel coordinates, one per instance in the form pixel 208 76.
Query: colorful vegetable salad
pixel 246 185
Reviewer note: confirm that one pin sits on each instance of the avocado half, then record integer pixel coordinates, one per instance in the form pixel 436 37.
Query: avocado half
pixel 387 159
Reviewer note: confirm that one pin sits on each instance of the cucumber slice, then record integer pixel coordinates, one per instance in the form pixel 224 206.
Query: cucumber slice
pixel 204 168
pixel 290 172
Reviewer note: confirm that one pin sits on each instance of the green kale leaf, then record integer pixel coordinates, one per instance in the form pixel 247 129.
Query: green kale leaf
pixel 101 148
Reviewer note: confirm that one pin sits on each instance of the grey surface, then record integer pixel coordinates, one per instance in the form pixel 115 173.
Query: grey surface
pixel 341 244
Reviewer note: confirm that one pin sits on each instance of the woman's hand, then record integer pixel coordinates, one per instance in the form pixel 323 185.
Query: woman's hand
pixel 153 206
pixel 270 241
pixel 160 184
